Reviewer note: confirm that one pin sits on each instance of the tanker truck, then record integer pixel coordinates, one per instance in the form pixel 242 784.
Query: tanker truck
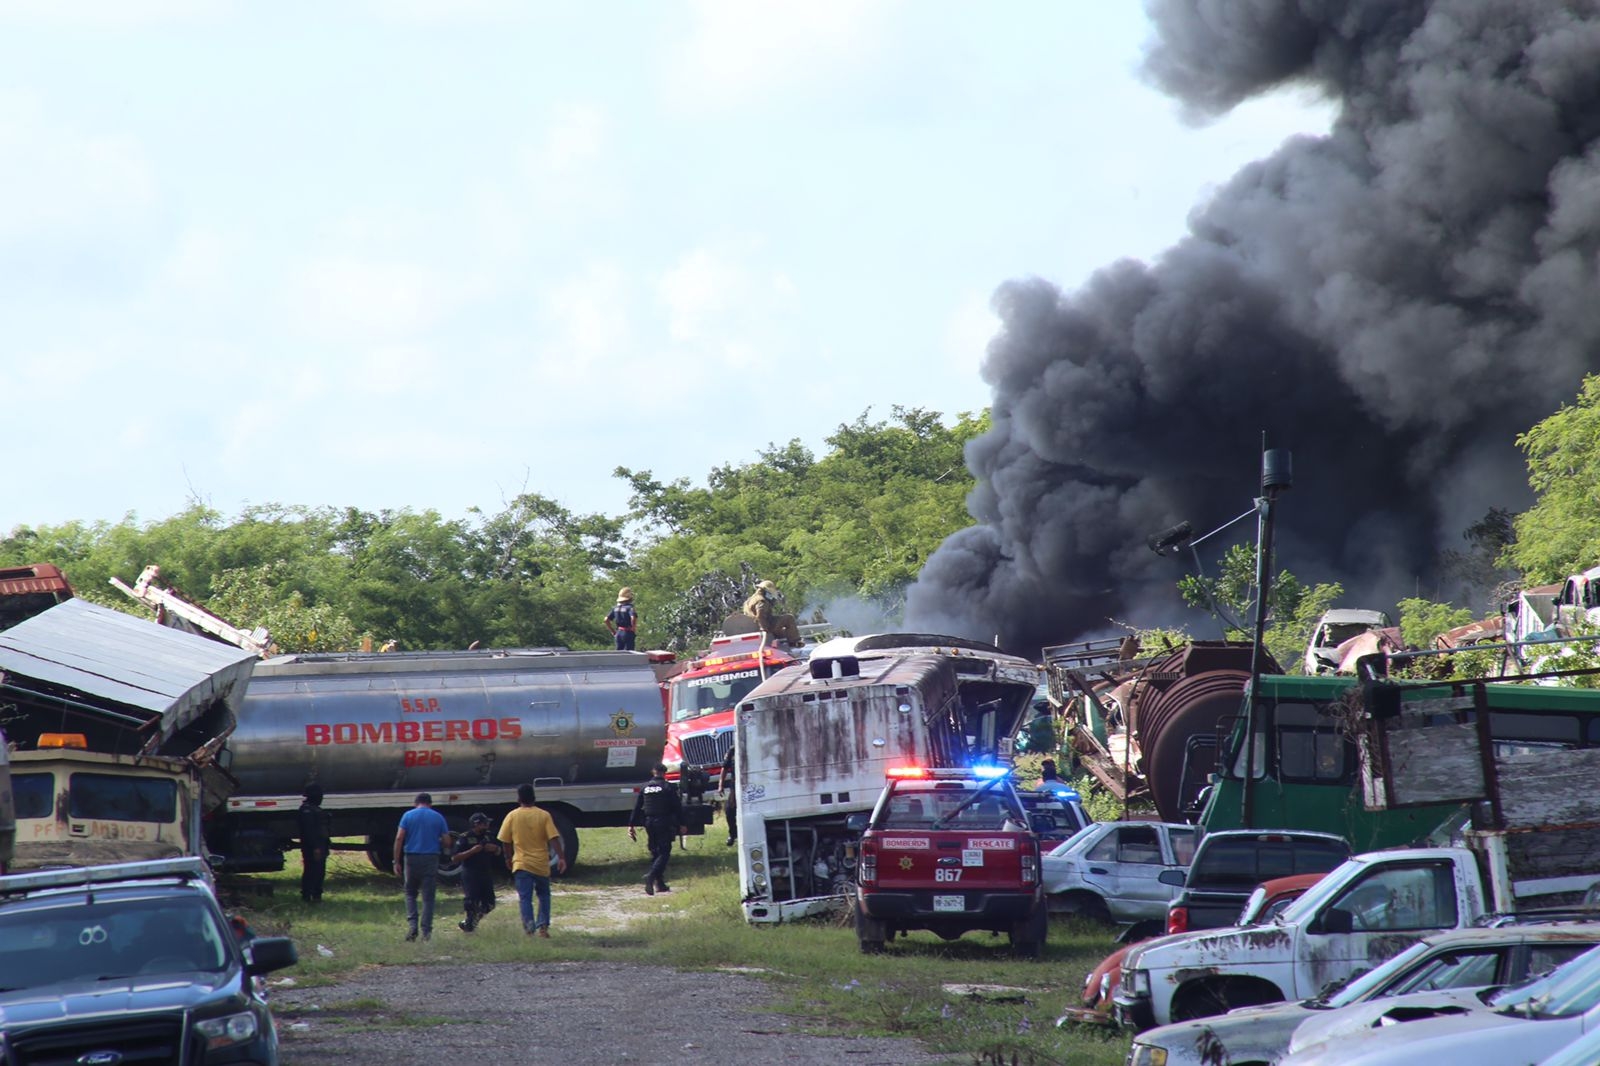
pixel 468 727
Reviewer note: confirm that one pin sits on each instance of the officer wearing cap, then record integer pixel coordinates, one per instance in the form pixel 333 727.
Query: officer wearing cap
pixel 478 854
pixel 657 808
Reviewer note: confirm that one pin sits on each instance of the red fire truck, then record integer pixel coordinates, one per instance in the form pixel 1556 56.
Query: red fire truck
pixel 701 699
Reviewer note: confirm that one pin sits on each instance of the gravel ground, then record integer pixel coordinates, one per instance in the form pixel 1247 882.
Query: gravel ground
pixel 568 1012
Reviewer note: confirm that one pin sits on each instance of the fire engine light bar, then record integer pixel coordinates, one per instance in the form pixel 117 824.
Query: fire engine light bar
pixel 906 771
pixel 1068 793
pixel 990 771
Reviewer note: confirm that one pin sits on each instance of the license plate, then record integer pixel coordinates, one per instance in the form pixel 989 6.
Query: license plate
pixel 949 903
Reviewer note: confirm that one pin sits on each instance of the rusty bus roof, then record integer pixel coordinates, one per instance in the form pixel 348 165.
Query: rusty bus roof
pixel 116 662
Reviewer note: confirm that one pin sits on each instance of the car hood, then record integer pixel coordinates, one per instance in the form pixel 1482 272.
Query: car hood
pixel 1483 1038
pixel 1249 1034
pixel 1205 946
pixel 1322 1026
pixel 133 995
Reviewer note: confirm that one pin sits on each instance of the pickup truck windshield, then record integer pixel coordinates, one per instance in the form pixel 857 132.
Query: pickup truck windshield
pixel 948 804
pixel 106 941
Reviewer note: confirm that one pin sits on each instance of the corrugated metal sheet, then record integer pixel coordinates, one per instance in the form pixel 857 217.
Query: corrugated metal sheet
pixel 126 661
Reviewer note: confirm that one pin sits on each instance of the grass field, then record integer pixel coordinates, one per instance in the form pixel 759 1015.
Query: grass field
pixel 601 912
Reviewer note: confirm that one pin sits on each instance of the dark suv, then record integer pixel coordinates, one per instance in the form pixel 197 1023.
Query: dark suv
pixel 130 963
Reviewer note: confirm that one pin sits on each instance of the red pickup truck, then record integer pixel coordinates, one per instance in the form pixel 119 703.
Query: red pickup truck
pixel 949 850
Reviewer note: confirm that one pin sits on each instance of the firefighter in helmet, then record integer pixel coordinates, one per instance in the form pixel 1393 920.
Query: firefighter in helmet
pixel 762 606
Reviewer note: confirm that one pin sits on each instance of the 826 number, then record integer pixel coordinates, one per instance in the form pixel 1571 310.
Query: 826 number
pixel 432 757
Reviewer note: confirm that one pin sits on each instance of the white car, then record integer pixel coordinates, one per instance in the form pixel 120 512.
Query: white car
pixel 1109 871
pixel 1333 629
pixel 1523 1025
pixel 1464 959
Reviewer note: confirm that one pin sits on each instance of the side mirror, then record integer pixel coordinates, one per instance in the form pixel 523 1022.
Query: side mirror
pixel 265 954
pixel 1175 878
pixel 857 822
pixel 1335 921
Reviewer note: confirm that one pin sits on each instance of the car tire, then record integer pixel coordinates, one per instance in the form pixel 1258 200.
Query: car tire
pixel 870 933
pixel 1029 935
pixel 1086 905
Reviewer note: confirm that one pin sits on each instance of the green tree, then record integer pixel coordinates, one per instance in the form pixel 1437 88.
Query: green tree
pixel 1292 607
pixel 857 522
pixel 1560 533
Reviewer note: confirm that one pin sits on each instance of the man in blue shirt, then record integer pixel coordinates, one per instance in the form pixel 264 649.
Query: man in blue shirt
pixel 422 837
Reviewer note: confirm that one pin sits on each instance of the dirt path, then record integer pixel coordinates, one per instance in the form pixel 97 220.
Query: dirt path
pixel 565 1012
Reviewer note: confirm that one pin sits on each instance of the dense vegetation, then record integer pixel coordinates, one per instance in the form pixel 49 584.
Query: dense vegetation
pixel 855 524
pixel 844 532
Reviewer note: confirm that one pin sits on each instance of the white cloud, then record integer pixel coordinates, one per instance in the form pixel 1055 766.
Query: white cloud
pixel 349 297
pixel 741 49
pixel 576 136
pixel 589 316
pixel 61 180
pixel 695 291
pixel 120 13
pixel 968 329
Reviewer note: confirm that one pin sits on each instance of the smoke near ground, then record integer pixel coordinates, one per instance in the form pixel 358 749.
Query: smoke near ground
pixel 1393 303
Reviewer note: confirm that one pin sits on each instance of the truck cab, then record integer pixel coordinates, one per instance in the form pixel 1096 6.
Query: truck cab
pixel 1370 908
pixel 701 698
pixel 949 850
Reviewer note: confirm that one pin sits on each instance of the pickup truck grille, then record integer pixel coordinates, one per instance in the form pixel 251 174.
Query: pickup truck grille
pixel 140 1041
pixel 707 749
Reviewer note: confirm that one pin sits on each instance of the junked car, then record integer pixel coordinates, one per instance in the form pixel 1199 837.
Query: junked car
pixel 1110 872
pixel 1458 959
pixel 1264 903
pixel 1524 1024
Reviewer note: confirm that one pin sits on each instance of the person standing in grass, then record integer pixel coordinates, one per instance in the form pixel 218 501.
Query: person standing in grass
pixel 314 842
pixel 529 833
pixel 479 856
pixel 421 838
pixel 658 808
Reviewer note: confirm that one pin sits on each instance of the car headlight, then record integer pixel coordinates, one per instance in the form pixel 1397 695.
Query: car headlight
pixel 227 1031
pixel 1147 1055
pixel 1137 982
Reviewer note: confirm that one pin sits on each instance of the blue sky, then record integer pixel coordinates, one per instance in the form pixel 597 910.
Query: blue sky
pixel 432 254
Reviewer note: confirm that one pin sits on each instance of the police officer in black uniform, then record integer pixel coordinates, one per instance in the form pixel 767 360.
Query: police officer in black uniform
pixel 730 799
pixel 314 843
pixel 478 852
pixel 658 808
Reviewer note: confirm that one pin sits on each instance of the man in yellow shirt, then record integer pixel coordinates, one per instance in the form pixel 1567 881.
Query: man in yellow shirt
pixel 529 833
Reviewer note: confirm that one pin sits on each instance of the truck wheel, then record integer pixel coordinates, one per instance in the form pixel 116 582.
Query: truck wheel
pixel 1207 998
pixel 569 841
pixel 1085 905
pixel 380 852
pixel 870 933
pixel 1028 936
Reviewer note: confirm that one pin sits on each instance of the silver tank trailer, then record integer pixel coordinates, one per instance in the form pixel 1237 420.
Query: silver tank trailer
pixel 468 727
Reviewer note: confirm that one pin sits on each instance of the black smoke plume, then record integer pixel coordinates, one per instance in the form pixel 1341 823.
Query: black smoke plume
pixel 1393 303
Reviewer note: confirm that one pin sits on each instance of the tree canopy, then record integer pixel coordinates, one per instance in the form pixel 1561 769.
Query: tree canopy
pixel 857 522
